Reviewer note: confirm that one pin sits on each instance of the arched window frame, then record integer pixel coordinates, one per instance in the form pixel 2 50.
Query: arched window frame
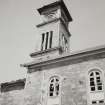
pixel 95 80
pixel 54 87
pixel 101 92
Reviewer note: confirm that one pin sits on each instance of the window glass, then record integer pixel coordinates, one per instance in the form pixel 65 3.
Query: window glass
pixel 47 36
pixel 54 87
pixel 43 35
pixel 101 101
pixel 94 102
pixel 95 81
pixel 51 35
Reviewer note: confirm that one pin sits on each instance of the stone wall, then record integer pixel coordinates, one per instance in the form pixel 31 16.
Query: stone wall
pixel 12 98
pixel 73 85
pixel 74 90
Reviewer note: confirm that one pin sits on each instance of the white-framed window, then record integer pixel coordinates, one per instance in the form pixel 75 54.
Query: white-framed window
pixel 96 86
pixel 46 40
pixel 95 81
pixel 54 86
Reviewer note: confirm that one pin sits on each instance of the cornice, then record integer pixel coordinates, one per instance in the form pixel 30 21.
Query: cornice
pixel 47 22
pixel 39 53
pixel 81 56
pixel 54 4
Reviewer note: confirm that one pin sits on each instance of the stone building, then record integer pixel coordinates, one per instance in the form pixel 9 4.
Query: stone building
pixel 56 76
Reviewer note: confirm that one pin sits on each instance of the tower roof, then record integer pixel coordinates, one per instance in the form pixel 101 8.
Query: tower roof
pixel 54 4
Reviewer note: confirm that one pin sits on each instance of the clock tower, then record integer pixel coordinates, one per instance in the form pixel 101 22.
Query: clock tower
pixel 53 31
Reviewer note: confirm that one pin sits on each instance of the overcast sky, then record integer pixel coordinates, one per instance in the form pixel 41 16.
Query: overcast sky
pixel 18 34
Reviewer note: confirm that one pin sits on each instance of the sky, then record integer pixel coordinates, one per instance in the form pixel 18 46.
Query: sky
pixel 19 35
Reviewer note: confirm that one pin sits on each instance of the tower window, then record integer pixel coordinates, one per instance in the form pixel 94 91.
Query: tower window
pixel 43 37
pixel 51 35
pixel 64 43
pixel 54 87
pixel 46 40
pixel 47 35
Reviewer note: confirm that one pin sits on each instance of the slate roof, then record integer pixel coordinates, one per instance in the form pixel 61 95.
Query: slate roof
pixel 13 85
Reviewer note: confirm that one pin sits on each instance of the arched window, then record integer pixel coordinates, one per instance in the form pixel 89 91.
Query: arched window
pixel 95 81
pixel 54 87
pixel 96 88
